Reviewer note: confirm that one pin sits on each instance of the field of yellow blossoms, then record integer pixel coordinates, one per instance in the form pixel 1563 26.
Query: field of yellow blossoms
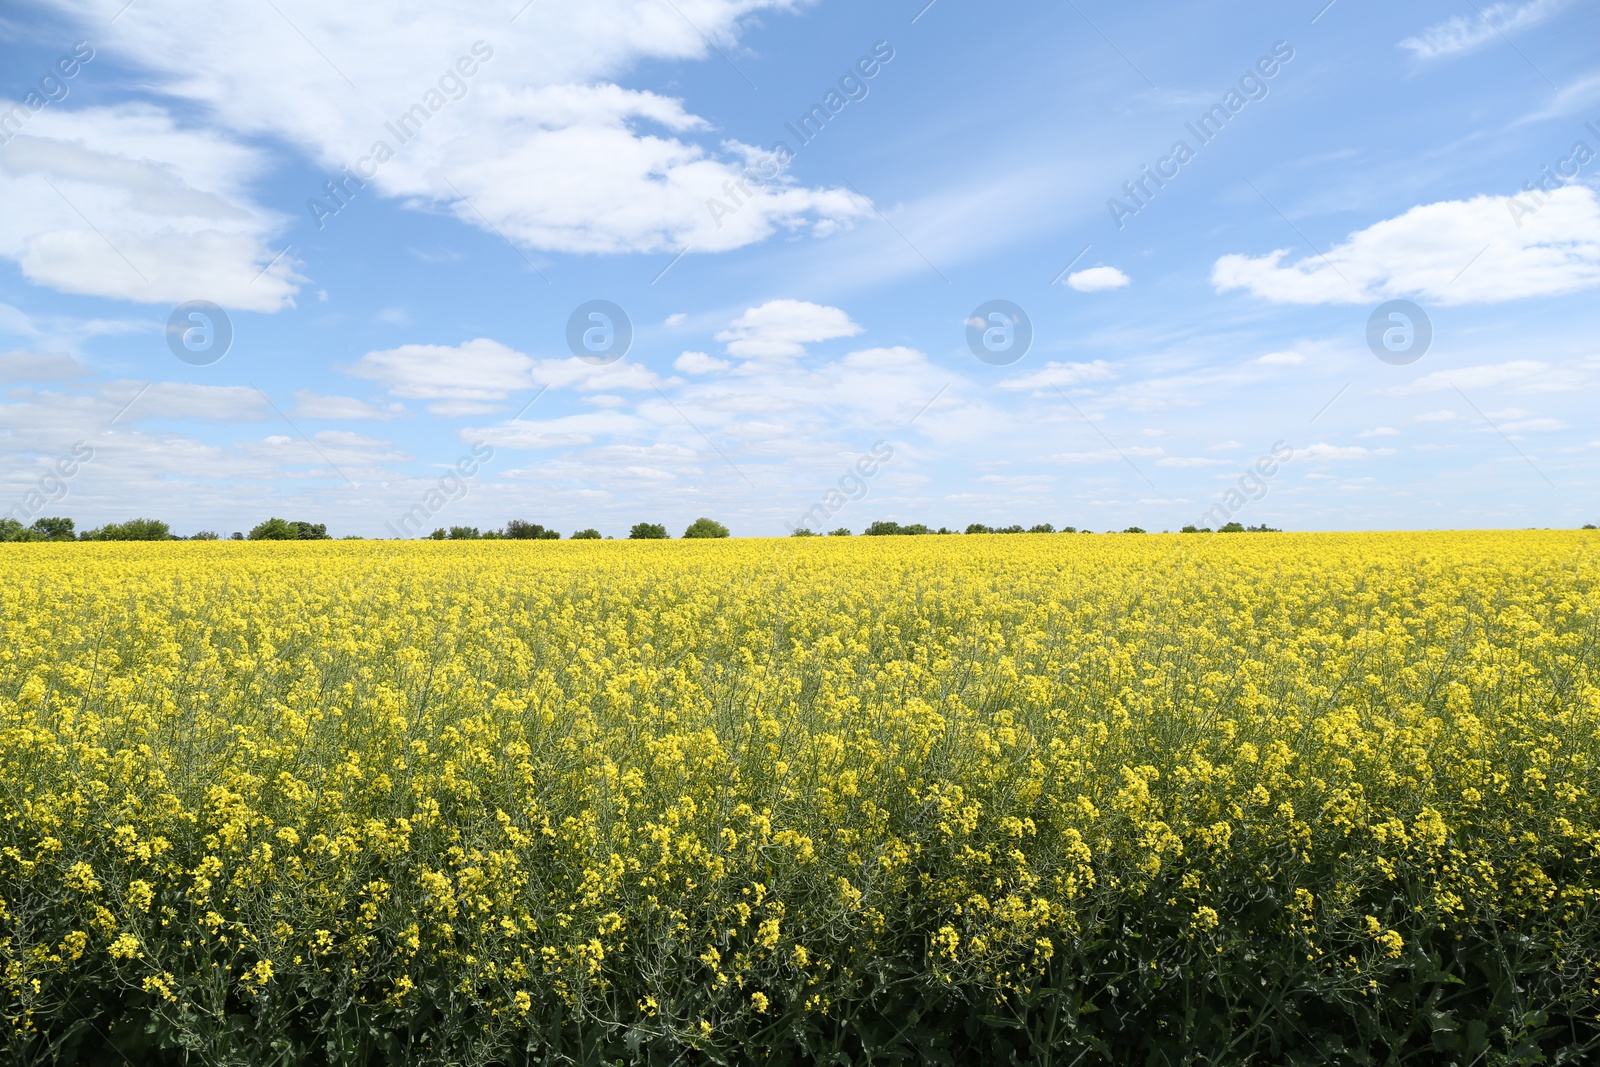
pixel 1245 799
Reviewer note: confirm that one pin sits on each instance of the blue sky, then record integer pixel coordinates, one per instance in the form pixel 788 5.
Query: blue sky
pixel 1183 334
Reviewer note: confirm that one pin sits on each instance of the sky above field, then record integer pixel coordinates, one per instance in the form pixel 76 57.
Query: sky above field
pixel 590 264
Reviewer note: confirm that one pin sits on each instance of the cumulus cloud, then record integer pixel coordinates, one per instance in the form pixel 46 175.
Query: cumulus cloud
pixel 562 158
pixel 462 379
pixel 1462 33
pixel 1451 252
pixel 155 212
pixel 1097 279
pixel 782 328
pixel 23 366
pixel 699 363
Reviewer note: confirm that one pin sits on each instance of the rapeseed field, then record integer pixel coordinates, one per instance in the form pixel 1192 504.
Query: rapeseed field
pixel 1041 799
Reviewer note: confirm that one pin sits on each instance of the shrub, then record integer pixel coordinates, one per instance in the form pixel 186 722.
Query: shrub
pixel 802 531
pixel 132 530
pixel 1231 527
pixel 843 531
pixel 205 535
pixel 518 530
pixel 1134 529
pixel 704 527
pixel 590 534
pixel 647 531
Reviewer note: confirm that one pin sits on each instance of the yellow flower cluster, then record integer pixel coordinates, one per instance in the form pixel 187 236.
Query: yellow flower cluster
pixel 705 784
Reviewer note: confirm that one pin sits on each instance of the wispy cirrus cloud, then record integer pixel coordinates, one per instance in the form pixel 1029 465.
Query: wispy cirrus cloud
pixel 1462 33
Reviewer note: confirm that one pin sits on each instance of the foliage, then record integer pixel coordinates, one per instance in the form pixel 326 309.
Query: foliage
pixel 1137 800
pixel 132 530
pixel 465 533
pixel 888 529
pixel 802 531
pixel 843 531
pixel 704 527
pixel 590 534
pixel 1134 529
pixel 647 531
pixel 284 530
pixel 518 530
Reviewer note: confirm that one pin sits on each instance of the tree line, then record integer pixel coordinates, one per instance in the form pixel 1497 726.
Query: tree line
pixel 58 528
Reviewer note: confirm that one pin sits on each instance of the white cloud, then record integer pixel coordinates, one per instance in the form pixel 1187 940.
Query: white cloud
pixel 677 318
pixel 180 400
pixel 1282 359
pixel 538 137
pixel 155 212
pixel 782 328
pixel 1450 252
pixel 1097 279
pixel 1060 374
pixel 475 373
pixel 1192 461
pixel 1522 375
pixel 1461 33
pixel 1534 425
pixel 1323 450
pixel 586 377
pixel 699 363
pixel 312 405
pixel 1380 431
pixel 1437 416
pixel 556 433
pixel 1225 446
pixel 23 366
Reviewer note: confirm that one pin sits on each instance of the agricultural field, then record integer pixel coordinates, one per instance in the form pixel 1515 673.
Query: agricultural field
pixel 1314 798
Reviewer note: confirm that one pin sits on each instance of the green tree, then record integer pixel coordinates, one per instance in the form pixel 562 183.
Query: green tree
pixel 132 530
pixel 647 531
pixel 58 528
pixel 205 535
pixel 977 528
pixel 311 531
pixel 518 530
pixel 275 530
pixel 12 530
pixel 1043 527
pixel 704 527
pixel 1231 527
pixel 802 531
pixel 843 531
pixel 587 535
pixel 464 533
pixel 1134 529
